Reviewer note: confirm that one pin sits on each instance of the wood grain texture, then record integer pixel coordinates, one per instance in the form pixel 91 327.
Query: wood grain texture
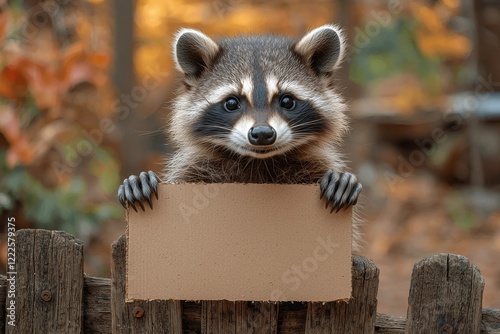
pixel 238 317
pixel 97 305
pixel 191 317
pixel 446 294
pixel 388 324
pixel 158 316
pixel 49 283
pixel 356 316
pixel 292 317
pixel 490 321
pixel 218 316
pixel 256 317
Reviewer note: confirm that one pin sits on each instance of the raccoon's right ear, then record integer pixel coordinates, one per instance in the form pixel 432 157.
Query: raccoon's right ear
pixel 322 49
pixel 193 51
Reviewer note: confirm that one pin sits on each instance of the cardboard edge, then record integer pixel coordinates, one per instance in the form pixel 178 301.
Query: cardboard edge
pixel 127 216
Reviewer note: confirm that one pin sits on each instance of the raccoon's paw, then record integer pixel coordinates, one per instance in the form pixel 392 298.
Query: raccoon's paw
pixel 341 190
pixel 139 189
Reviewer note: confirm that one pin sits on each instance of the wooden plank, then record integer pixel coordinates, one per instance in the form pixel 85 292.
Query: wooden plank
pixel 158 316
pixel 356 316
pixel 49 283
pixel 3 296
pixel 292 317
pixel 446 293
pixel 256 317
pixel 218 316
pixel 97 305
pixel 238 317
pixel 388 324
pixel 490 321
pixel 191 317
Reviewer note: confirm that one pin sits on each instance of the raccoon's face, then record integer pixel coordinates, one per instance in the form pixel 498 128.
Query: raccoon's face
pixel 258 96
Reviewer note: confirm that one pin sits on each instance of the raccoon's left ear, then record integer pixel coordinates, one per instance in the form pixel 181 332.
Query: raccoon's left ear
pixel 323 48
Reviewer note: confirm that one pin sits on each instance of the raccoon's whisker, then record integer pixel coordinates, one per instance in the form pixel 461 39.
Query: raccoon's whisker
pixel 298 125
pixel 221 127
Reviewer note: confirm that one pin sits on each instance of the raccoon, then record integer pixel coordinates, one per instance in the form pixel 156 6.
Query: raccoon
pixel 256 109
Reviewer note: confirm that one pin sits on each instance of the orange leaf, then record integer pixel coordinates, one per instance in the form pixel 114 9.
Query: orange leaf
pixel 44 85
pixel 100 60
pixel 20 149
pixel 12 81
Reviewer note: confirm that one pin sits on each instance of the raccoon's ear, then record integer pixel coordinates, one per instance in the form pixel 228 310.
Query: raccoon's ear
pixel 323 48
pixel 193 51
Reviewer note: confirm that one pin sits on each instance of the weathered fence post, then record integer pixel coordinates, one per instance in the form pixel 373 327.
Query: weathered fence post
pixel 239 317
pixel 49 283
pixel 446 294
pixel 157 316
pixel 357 316
pixel 97 305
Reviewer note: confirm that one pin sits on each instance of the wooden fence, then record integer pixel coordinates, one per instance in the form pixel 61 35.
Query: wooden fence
pixel 53 295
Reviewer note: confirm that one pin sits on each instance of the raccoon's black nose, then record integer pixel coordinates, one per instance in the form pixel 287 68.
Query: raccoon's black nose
pixel 262 135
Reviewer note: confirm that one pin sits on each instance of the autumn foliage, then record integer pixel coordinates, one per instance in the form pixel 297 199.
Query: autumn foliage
pixel 54 89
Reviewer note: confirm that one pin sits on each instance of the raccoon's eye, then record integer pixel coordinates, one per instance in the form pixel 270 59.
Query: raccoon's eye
pixel 232 104
pixel 287 102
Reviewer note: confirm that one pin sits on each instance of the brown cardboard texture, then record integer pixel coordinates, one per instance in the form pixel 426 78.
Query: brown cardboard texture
pixel 260 242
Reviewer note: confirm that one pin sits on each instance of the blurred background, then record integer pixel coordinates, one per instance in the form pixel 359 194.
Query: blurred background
pixel 85 85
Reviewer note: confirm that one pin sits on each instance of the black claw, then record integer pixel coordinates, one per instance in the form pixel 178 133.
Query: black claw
pixel 348 190
pixel 324 184
pixel 343 183
pixel 133 206
pixel 142 206
pixel 121 196
pixel 153 182
pixel 150 202
pixel 331 188
pixel 136 190
pixel 353 199
pixel 145 187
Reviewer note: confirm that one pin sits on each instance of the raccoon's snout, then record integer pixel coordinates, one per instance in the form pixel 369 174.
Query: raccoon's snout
pixel 262 135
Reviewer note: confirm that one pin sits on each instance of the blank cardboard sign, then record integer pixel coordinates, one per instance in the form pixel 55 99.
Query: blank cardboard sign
pixel 260 242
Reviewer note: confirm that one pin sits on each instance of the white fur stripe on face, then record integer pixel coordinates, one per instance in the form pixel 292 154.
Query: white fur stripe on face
pixel 247 88
pixel 272 87
pixel 298 90
pixel 221 93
